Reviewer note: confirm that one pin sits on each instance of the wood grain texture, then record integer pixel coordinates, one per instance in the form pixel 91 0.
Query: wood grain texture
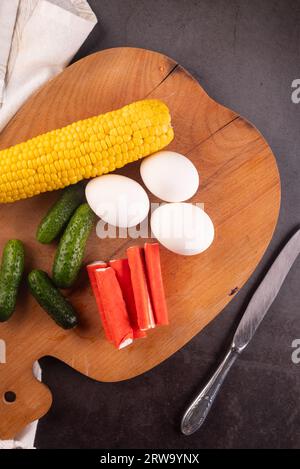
pixel 240 188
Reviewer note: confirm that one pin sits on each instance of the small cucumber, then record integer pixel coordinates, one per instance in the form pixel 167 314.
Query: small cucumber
pixel 11 271
pixel 70 251
pixel 60 213
pixel 51 299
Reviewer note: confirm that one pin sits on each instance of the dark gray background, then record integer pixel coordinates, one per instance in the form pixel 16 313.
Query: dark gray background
pixel 245 54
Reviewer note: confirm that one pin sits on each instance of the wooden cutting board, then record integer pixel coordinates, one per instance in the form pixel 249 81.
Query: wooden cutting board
pixel 240 188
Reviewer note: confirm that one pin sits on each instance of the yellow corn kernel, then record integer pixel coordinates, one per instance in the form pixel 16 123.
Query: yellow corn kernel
pixel 84 149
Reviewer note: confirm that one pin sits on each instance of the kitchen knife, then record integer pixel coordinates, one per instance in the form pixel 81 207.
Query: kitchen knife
pixel 256 310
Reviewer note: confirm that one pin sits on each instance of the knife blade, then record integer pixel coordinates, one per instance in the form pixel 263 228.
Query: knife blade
pixel 266 292
pixel 255 312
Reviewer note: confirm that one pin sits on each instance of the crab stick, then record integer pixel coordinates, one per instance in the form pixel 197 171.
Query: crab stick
pixel 155 282
pixel 136 260
pixel 114 307
pixel 91 268
pixel 122 270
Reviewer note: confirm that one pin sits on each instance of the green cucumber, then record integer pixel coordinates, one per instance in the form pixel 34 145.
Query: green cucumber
pixel 70 251
pixel 51 299
pixel 59 214
pixel 11 271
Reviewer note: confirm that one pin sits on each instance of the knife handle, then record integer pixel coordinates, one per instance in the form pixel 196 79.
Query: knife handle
pixel 198 410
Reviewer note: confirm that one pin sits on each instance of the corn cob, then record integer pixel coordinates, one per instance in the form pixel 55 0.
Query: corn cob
pixel 84 149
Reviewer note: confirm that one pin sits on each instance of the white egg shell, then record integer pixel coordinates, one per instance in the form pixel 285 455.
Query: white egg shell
pixel 118 200
pixel 170 176
pixel 182 228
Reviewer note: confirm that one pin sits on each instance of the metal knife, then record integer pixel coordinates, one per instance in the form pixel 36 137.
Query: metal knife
pixel 256 310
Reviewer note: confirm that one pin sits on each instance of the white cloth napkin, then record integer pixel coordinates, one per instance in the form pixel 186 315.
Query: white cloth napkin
pixel 8 14
pixel 38 38
pixel 47 34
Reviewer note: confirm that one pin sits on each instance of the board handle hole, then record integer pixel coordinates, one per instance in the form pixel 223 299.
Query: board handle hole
pixel 9 397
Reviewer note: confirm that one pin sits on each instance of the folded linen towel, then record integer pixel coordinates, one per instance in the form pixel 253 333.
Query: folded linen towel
pixel 47 34
pixel 8 14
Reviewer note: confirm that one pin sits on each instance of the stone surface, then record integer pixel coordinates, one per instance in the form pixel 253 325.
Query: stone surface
pixel 246 55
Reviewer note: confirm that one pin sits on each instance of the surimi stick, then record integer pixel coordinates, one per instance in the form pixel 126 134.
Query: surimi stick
pixel 155 283
pixel 91 268
pixel 114 307
pixel 136 260
pixel 122 270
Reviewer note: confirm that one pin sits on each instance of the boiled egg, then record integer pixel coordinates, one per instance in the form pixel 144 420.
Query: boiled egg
pixel 170 176
pixel 118 200
pixel 182 228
